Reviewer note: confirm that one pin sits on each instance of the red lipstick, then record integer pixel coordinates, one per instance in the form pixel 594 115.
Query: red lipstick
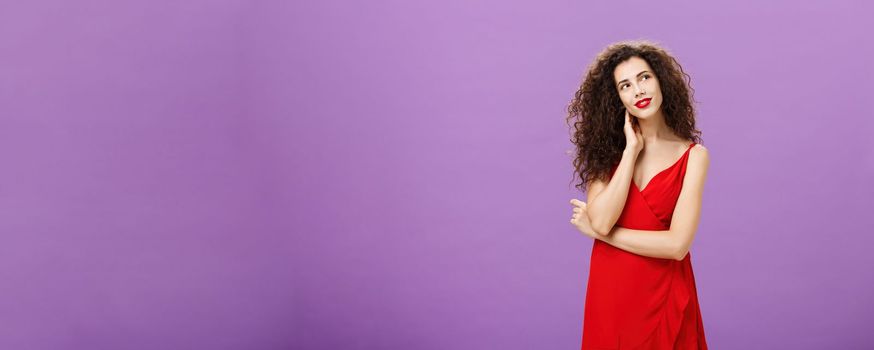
pixel 643 103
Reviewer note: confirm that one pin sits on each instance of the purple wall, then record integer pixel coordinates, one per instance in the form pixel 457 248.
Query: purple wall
pixel 378 175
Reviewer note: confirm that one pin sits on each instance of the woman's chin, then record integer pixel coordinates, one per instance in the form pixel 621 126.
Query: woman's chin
pixel 646 113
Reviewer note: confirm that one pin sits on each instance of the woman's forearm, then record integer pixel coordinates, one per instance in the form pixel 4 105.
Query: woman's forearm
pixel 605 209
pixel 654 244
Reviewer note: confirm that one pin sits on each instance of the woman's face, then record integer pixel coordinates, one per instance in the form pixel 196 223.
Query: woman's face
pixel 636 82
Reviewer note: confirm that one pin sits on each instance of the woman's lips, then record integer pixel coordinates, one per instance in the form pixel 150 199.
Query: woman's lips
pixel 643 103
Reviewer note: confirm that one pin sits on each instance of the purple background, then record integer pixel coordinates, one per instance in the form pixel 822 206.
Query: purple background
pixel 393 175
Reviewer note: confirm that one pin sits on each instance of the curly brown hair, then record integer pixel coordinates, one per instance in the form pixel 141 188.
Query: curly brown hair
pixel 598 114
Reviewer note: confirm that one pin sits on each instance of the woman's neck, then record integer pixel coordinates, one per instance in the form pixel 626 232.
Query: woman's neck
pixel 654 129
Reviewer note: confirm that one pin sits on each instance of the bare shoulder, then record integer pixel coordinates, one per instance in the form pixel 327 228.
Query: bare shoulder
pixel 699 161
pixel 696 173
pixel 699 155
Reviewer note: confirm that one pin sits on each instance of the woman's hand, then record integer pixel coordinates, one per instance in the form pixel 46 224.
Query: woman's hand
pixel 633 137
pixel 580 219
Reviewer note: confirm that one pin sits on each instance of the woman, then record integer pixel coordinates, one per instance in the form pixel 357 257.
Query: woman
pixel 639 158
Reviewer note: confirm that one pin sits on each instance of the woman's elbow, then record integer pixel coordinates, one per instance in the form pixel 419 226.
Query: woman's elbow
pixel 680 254
pixel 601 231
pixel 598 227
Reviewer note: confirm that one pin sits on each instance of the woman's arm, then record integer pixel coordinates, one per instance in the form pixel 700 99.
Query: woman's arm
pixel 673 243
pixel 605 201
pixel 654 244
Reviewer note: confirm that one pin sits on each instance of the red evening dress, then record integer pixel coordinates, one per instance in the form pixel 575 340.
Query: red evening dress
pixel 638 302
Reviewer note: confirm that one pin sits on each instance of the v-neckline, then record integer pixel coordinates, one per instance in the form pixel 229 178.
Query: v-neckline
pixel 661 172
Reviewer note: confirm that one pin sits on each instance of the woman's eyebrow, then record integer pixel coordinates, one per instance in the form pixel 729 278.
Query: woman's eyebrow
pixel 624 80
